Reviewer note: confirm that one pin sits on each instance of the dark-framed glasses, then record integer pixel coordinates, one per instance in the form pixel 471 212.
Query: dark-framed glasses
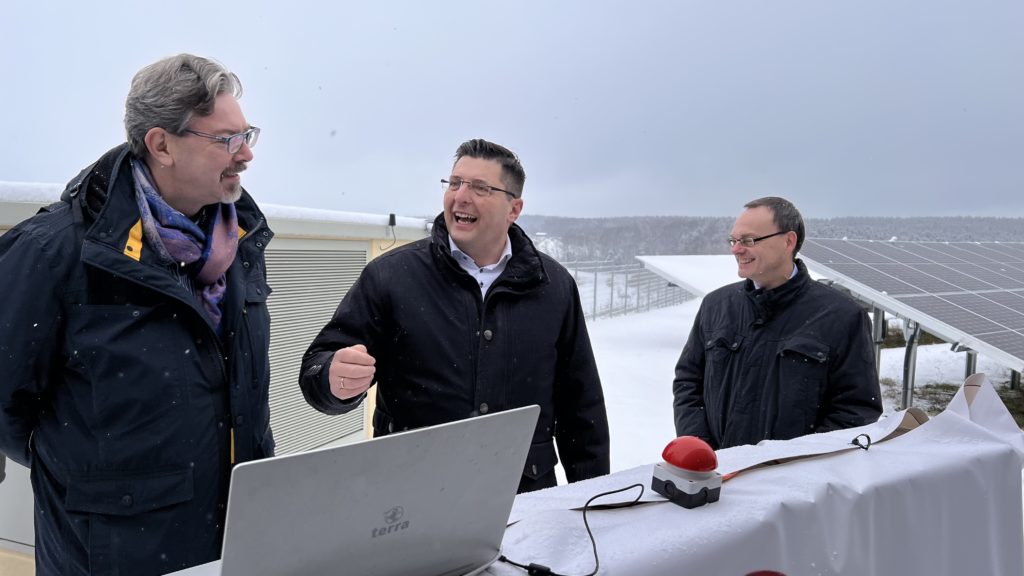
pixel 481 189
pixel 234 141
pixel 749 242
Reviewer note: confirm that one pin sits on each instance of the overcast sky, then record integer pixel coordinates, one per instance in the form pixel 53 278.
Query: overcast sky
pixel 878 107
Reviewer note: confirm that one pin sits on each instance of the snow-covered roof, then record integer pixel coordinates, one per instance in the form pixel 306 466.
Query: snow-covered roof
pixel 30 192
pixel 321 215
pixel 40 193
pixel 697 274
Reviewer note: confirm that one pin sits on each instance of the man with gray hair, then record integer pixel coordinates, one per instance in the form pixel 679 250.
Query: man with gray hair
pixel 135 334
pixel 777 355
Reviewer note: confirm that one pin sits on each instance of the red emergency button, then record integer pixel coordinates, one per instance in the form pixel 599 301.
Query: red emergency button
pixel 690 453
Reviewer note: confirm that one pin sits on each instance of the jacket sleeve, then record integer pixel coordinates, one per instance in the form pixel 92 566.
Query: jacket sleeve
pixel 581 421
pixel 354 322
pixel 853 395
pixel 30 320
pixel 688 386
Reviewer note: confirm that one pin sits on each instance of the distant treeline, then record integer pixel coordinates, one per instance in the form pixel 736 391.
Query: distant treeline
pixel 620 239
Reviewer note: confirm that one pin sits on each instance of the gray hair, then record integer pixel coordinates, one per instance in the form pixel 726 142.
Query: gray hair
pixel 512 173
pixel 167 93
pixel 785 216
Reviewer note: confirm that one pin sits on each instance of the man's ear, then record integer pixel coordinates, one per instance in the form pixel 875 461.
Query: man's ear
pixel 159 146
pixel 791 244
pixel 517 208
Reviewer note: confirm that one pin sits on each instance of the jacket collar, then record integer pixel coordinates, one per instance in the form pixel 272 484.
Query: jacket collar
pixel 767 303
pixel 105 193
pixel 524 270
pixel 106 190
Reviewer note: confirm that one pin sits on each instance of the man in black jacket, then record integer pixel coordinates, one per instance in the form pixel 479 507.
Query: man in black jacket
pixel 469 321
pixel 135 334
pixel 777 355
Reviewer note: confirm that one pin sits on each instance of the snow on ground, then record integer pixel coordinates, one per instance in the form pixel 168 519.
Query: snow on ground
pixel 637 355
pixel 936 363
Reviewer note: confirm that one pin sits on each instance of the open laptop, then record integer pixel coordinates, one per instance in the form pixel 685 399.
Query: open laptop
pixel 433 501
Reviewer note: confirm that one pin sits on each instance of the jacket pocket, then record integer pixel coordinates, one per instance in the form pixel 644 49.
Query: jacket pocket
pixel 721 349
pixel 803 373
pixel 257 290
pixel 137 523
pixel 133 369
pixel 720 346
pixel 128 495
pixel 540 460
pixel 803 355
pixel 257 326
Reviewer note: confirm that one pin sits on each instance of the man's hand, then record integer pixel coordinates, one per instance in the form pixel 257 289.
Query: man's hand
pixel 352 371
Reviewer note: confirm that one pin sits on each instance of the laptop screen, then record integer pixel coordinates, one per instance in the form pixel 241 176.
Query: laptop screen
pixel 429 501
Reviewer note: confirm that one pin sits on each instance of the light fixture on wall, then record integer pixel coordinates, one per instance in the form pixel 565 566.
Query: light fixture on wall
pixel 391 226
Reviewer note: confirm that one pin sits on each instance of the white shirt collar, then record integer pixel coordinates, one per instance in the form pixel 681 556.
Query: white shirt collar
pixel 791 275
pixel 462 257
pixel 484 275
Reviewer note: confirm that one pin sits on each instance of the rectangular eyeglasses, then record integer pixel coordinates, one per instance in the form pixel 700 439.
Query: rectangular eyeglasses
pixel 234 141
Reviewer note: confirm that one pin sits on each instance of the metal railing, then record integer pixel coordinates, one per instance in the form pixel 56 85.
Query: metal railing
pixel 608 289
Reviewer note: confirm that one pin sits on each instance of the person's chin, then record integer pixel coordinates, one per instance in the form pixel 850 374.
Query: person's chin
pixel 459 235
pixel 232 195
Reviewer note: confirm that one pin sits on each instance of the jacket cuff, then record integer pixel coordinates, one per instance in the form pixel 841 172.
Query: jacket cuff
pixel 317 376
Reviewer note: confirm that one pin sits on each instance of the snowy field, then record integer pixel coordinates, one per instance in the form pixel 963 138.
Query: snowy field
pixel 637 355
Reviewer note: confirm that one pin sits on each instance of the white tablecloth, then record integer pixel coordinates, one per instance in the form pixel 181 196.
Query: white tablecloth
pixel 941 499
pixel 944 498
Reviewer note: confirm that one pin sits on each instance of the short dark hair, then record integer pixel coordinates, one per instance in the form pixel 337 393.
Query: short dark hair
pixel 786 217
pixel 167 93
pixel 512 174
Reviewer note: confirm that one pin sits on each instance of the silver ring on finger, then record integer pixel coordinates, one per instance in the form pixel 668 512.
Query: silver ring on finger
pixel 342 381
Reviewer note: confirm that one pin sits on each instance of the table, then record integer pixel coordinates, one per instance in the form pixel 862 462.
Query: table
pixel 941 499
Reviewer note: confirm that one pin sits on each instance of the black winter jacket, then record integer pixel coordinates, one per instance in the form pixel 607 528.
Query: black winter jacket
pixel 776 364
pixel 444 353
pixel 116 389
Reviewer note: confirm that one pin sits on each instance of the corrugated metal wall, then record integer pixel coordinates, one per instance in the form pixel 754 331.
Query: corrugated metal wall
pixel 307 285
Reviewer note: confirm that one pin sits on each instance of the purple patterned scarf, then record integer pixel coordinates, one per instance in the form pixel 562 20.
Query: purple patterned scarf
pixel 204 252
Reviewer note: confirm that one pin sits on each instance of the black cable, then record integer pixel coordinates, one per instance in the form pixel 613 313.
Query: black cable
pixel 394 237
pixel 26 544
pixel 534 569
pixel 861 443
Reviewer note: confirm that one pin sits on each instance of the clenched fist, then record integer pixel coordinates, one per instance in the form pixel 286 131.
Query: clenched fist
pixel 352 371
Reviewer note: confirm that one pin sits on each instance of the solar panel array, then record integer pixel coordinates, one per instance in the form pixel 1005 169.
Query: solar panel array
pixel 967 292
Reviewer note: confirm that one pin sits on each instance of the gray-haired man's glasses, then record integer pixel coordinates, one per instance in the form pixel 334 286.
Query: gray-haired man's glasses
pixel 749 242
pixel 233 142
pixel 479 188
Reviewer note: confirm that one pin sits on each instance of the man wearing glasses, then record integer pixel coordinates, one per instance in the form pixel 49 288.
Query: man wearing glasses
pixel 135 335
pixel 470 321
pixel 777 355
